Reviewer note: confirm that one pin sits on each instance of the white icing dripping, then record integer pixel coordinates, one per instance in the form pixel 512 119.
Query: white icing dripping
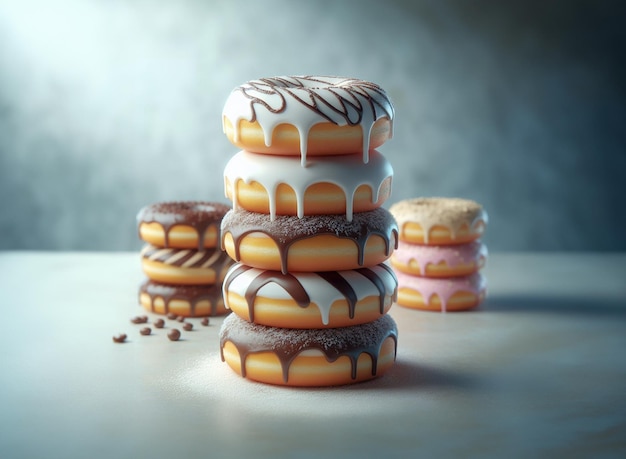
pixel 345 171
pixel 305 101
pixel 320 292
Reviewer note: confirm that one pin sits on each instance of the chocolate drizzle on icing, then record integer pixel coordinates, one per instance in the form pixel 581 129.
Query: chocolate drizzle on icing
pixel 214 258
pixel 199 215
pixel 304 101
pixel 286 230
pixel 287 343
pixel 193 294
pixel 319 288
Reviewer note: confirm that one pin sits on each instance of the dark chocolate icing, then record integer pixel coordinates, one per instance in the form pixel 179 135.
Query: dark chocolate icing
pixel 197 214
pixel 285 230
pixel 287 343
pixel 191 293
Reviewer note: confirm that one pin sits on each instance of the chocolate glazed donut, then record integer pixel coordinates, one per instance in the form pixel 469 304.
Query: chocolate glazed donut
pixel 284 231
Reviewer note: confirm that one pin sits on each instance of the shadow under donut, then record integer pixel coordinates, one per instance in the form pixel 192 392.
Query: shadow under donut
pixel 587 306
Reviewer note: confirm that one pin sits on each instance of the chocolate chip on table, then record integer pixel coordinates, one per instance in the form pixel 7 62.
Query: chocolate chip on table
pixel 205 321
pixel 159 323
pixel 180 318
pixel 119 338
pixel 145 331
pixel 139 319
pixel 188 326
pixel 172 316
pixel 174 334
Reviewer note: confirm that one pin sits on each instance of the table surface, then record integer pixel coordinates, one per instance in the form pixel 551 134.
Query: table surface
pixel 538 370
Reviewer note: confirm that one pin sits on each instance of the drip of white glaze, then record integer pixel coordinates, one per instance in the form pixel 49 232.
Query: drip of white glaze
pixel 304 101
pixel 345 171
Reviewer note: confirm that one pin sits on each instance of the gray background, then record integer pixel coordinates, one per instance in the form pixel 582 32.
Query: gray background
pixel 106 106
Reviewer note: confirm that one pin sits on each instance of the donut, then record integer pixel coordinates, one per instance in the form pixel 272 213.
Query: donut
pixel 439 260
pixel 184 266
pixel 439 221
pixel 308 357
pixel 311 243
pixel 310 300
pixel 278 185
pixel 308 115
pixel 182 224
pixel 182 300
pixel 448 294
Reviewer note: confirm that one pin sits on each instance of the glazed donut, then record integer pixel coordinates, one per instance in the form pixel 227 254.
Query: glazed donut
pixel 449 294
pixel 310 300
pixel 182 300
pixel 278 185
pixel 308 115
pixel 185 266
pixel 308 357
pixel 311 243
pixel 439 260
pixel 181 225
pixel 439 221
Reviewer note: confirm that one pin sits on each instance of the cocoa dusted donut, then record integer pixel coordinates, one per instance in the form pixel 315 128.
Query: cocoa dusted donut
pixel 182 224
pixel 309 357
pixel 310 299
pixel 308 115
pixel 439 221
pixel 182 300
pixel 311 243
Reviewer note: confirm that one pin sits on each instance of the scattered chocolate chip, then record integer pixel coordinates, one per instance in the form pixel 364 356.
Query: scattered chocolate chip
pixel 174 334
pixel 205 321
pixel 180 318
pixel 119 338
pixel 171 316
pixel 188 326
pixel 145 331
pixel 159 323
pixel 139 319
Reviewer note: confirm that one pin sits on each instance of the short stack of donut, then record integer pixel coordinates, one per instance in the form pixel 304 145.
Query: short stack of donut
pixel 310 290
pixel 440 255
pixel 182 258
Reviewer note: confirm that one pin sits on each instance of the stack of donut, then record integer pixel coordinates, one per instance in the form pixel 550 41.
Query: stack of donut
pixel 440 255
pixel 182 258
pixel 310 291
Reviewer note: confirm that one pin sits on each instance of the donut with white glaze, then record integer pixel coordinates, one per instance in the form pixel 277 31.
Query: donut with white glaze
pixel 311 243
pixel 181 224
pixel 185 266
pixel 308 115
pixel 310 299
pixel 439 260
pixel 439 221
pixel 309 357
pixel 446 294
pixel 278 185
pixel 182 300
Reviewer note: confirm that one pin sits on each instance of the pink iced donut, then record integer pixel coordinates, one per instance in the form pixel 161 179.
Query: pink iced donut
pixel 439 261
pixel 449 294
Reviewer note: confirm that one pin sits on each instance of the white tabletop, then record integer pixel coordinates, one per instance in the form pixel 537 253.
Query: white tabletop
pixel 539 369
